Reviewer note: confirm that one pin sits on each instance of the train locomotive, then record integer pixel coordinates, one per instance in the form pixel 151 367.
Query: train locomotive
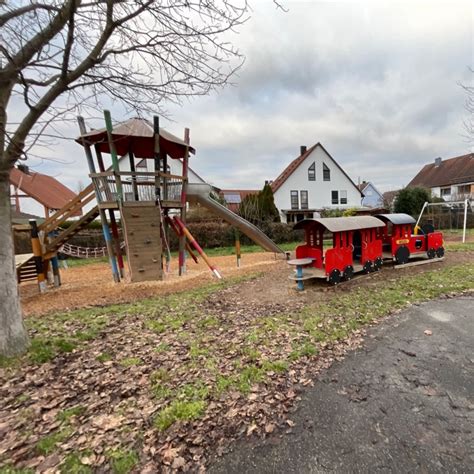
pixel 361 244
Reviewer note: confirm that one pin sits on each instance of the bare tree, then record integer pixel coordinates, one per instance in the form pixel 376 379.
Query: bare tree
pixel 469 106
pixel 58 55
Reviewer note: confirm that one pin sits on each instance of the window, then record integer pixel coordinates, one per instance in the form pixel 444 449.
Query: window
pixel 334 197
pixel 304 199
pixel 343 197
pixel 326 173
pixel 294 199
pixel 464 189
pixel 368 193
pixel 445 192
pixel 312 172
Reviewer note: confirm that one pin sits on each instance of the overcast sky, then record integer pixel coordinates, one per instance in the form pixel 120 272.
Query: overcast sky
pixel 376 82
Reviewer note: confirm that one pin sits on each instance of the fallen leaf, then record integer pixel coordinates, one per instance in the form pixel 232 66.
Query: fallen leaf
pixel 178 462
pixel 269 428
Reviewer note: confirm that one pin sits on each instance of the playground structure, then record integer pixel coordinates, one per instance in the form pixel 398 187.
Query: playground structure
pixel 361 244
pixel 150 205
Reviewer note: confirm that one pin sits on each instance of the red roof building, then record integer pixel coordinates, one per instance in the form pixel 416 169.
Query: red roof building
pixel 451 179
pixel 233 197
pixel 44 189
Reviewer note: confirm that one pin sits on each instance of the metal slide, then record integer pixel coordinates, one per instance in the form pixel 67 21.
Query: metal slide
pixel 199 192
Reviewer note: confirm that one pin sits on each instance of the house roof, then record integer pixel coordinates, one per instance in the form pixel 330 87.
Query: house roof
pixel 136 134
pixel 365 184
pixel 234 197
pixel 43 188
pixel 389 196
pixel 288 171
pixel 457 170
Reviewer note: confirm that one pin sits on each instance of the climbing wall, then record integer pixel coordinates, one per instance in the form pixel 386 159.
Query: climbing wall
pixel 141 224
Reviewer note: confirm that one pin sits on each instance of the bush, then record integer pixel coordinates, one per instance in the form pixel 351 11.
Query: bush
pixel 410 200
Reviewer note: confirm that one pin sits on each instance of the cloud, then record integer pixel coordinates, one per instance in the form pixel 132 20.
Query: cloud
pixel 375 81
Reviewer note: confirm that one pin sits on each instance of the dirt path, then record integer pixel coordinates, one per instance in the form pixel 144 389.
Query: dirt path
pixel 92 285
pixel 401 403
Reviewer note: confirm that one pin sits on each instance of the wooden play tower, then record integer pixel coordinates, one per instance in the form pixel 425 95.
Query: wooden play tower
pixel 144 200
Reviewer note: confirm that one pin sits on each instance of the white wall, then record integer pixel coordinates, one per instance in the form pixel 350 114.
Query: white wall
pixel 319 191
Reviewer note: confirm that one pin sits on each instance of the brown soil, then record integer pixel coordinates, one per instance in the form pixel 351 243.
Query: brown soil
pixel 92 285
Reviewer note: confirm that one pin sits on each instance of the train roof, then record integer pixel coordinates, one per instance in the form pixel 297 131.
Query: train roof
pixel 341 224
pixel 399 218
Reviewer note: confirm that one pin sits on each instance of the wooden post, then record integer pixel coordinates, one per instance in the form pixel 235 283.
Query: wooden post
pixel 237 246
pixel 38 256
pixel 103 218
pixel 182 238
pixel 113 223
pixel 194 243
pixel 156 155
pixel 131 158
pixel 113 154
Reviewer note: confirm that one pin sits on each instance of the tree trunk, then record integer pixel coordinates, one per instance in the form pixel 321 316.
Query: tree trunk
pixel 13 336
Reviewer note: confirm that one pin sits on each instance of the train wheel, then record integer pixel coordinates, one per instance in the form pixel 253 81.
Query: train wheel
pixel 335 277
pixel 348 272
pixel 368 266
pixel 378 264
pixel 431 253
pixel 402 255
pixel 440 252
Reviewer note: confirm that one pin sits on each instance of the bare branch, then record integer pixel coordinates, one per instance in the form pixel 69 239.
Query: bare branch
pixel 23 10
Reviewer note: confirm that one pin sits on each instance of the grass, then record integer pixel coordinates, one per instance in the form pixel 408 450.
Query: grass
pixel 48 444
pixel 459 246
pixel 122 461
pixel 72 464
pixel 9 469
pixel 130 361
pixel 68 413
pixel 181 410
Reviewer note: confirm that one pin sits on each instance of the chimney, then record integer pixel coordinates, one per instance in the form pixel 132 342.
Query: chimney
pixel 303 149
pixel 437 161
pixel 23 168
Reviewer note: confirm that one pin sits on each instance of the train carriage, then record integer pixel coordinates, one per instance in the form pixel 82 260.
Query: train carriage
pixel 356 247
pixel 401 242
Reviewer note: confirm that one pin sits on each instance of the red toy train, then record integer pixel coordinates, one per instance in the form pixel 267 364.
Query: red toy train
pixel 360 244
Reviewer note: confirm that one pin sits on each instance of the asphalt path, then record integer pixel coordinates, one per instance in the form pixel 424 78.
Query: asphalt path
pixel 403 402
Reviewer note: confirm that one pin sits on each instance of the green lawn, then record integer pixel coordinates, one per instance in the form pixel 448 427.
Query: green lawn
pixel 186 358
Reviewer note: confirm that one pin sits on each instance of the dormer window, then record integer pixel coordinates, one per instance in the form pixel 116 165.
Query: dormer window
pixel 326 173
pixel 312 172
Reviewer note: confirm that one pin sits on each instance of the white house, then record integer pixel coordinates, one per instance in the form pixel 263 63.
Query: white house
pixel 451 179
pixel 312 182
pixel 372 197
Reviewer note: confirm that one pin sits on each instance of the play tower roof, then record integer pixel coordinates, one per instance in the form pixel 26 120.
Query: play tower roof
pixel 136 135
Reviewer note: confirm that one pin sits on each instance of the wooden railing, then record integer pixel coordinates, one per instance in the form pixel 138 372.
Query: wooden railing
pixel 72 208
pixel 136 186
